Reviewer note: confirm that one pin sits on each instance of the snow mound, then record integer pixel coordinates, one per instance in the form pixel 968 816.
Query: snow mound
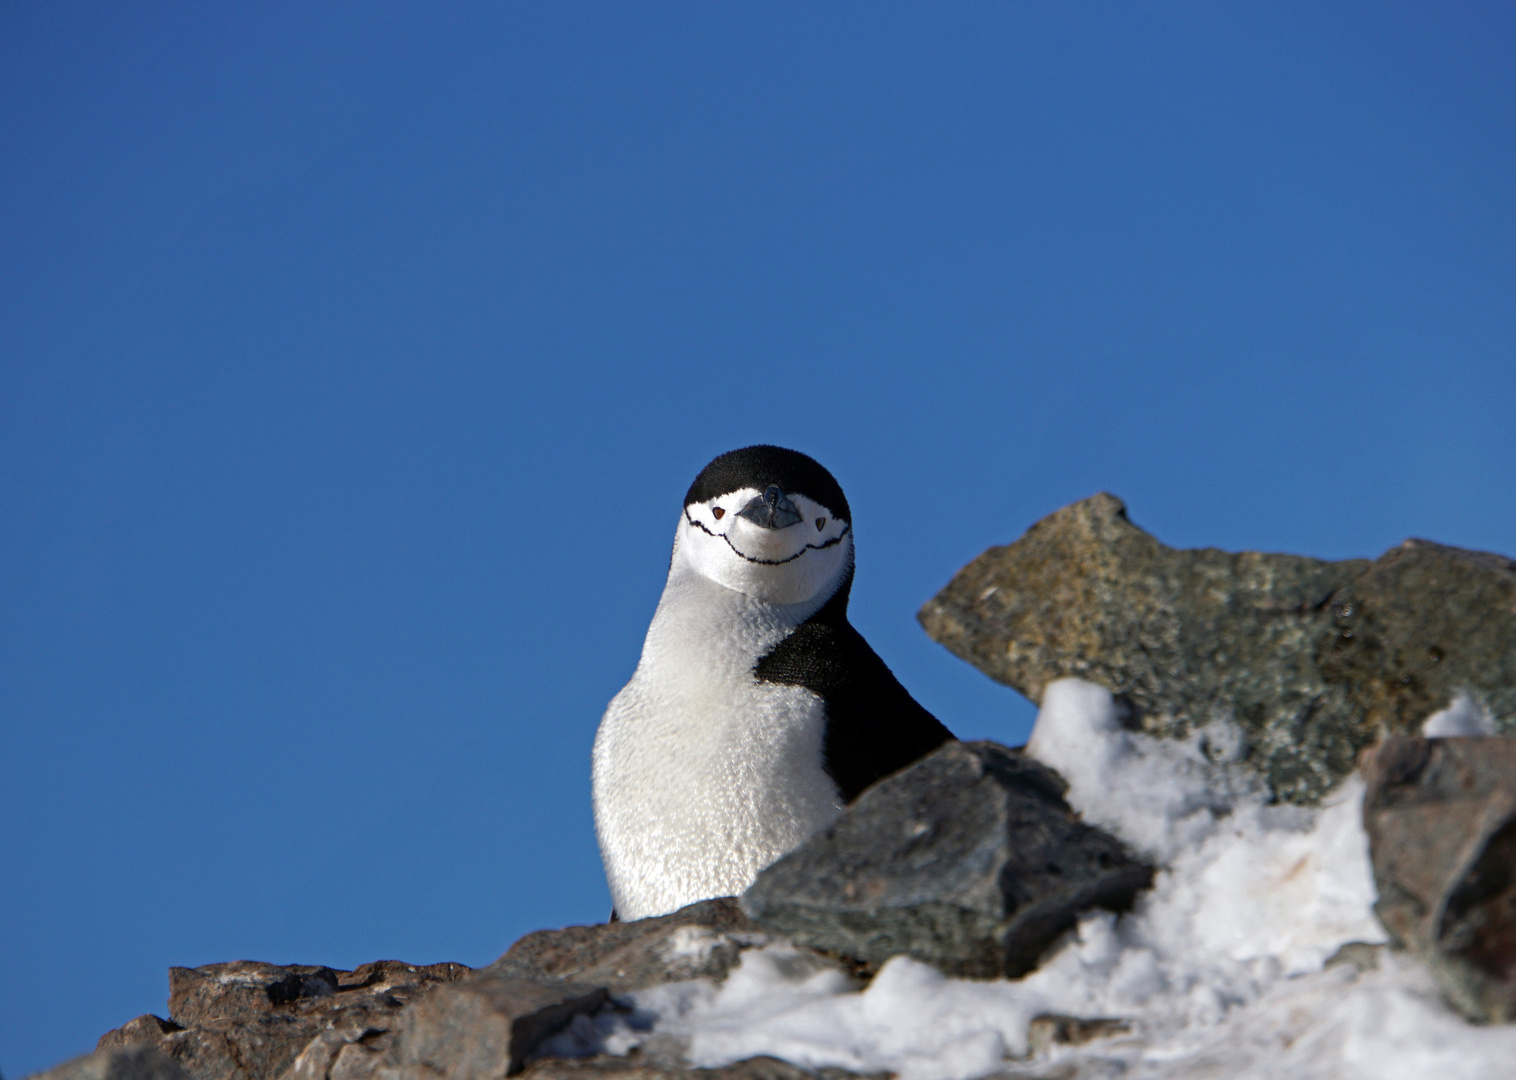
pixel 1220 970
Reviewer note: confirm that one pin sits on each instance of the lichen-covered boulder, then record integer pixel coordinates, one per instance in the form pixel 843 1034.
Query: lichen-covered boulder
pixel 1312 660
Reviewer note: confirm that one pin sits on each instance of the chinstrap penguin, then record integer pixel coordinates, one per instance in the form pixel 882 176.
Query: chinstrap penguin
pixel 756 711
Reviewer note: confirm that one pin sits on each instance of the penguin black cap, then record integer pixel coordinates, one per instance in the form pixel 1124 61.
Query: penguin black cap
pixel 760 466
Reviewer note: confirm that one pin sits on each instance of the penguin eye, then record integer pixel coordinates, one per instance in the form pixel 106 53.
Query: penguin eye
pixel 717 512
pixel 820 524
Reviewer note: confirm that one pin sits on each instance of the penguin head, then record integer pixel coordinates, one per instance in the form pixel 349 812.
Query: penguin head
pixel 770 523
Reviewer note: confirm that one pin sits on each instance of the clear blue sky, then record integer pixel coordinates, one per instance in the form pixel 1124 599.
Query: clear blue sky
pixel 354 360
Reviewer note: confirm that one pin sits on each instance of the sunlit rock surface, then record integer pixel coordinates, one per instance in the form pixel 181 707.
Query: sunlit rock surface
pixel 1310 660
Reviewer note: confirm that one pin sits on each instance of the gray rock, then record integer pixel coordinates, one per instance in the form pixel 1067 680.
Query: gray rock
pixel 1313 660
pixel 120 1063
pixel 703 940
pixel 484 1027
pixel 969 859
pixel 1441 819
pixel 633 1068
pixel 252 1021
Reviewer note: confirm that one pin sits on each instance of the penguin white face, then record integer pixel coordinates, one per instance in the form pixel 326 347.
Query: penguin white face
pixel 730 540
pixel 769 523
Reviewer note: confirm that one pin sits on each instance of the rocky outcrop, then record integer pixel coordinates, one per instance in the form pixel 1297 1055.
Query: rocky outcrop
pixel 969 860
pixel 1312 660
pixel 150 1064
pixel 253 1021
pixel 1441 819
pixel 395 1021
pixel 980 828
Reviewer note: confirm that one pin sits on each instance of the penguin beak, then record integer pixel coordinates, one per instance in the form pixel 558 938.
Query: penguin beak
pixel 771 510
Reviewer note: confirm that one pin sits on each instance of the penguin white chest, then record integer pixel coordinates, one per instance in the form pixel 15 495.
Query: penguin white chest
pixel 704 775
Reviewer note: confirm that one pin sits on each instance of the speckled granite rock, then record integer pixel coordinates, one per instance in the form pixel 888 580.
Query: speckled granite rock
pixel 1313 660
pixel 1441 819
pixel 969 860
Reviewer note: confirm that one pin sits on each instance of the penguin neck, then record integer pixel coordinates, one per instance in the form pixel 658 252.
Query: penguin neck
pixel 703 621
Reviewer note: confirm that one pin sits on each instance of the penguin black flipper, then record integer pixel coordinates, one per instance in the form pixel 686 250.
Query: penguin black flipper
pixel 873 725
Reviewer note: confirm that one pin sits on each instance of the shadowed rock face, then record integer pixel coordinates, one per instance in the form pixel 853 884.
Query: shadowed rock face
pixel 129 1063
pixel 969 860
pixel 1441 819
pixel 1313 660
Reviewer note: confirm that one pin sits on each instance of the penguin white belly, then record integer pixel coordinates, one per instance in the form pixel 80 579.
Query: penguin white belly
pixel 703 775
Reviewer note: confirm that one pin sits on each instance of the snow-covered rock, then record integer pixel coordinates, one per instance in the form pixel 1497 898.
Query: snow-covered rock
pixel 1255 955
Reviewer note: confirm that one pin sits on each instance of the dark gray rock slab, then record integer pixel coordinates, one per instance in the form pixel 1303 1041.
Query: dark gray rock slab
pixel 1441 820
pixel 1313 660
pixel 252 1021
pixel 484 1028
pixel 969 860
pixel 132 1063
pixel 702 940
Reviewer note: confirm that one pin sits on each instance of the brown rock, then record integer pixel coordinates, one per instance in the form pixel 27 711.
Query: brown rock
pixel 242 990
pixel 1441 819
pixel 703 940
pixel 483 1028
pixel 258 1050
pixel 1423 623
pixel 146 1030
pixel 117 1063
pixel 252 1021
pixel 343 1054
pixel 1312 660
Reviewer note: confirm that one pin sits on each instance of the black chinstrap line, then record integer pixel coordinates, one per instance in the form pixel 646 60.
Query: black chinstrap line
pixel 834 541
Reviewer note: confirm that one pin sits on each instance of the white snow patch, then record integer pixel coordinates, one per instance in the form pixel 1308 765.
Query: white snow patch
pixel 1220 970
pixel 1463 716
